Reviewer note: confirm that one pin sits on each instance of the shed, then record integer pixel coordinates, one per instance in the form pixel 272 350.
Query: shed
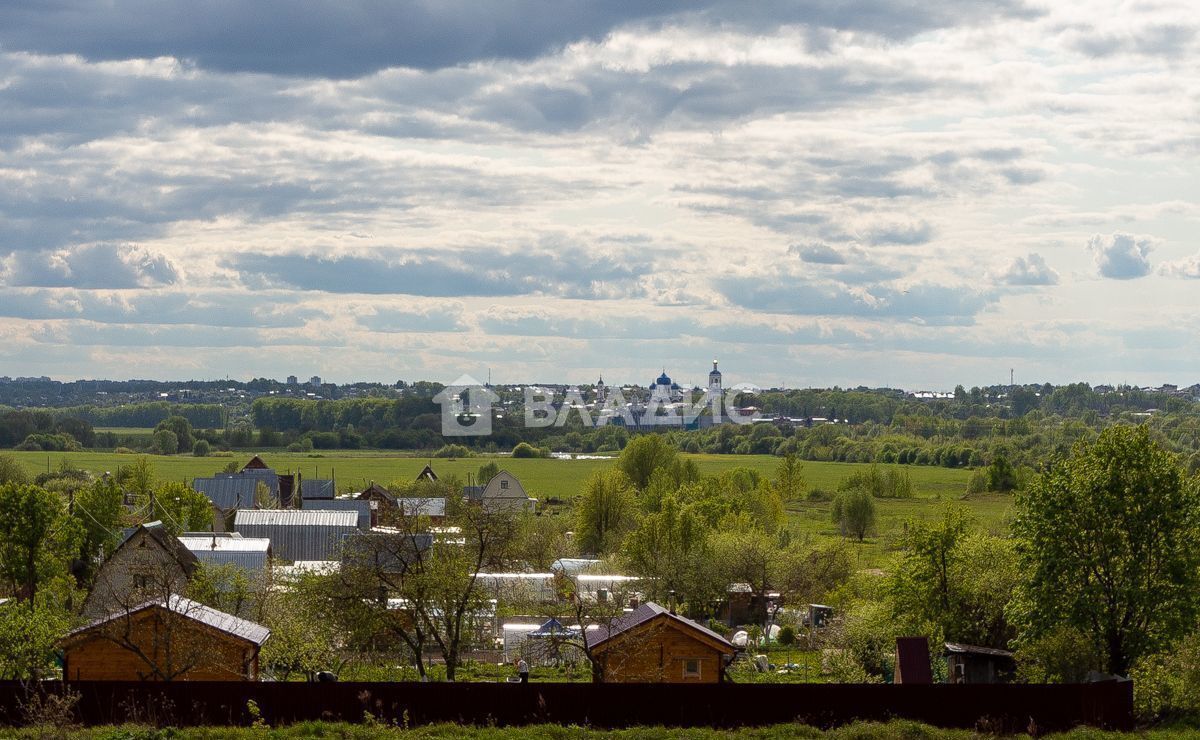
pixel 653 645
pixel 358 506
pixel 317 488
pixel 299 535
pixel 220 548
pixel 976 664
pixel 228 492
pixel 574 566
pixel 171 639
pixel 432 507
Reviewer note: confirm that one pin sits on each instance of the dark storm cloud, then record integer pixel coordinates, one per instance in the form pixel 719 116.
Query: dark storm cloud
pixel 572 272
pixel 349 38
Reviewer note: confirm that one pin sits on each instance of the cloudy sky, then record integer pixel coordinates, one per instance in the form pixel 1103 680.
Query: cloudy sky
pixel 878 192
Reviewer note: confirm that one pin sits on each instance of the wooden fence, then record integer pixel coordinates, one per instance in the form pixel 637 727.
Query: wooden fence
pixel 1008 707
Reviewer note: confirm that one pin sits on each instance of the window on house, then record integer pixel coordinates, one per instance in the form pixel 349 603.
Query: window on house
pixel 140 581
pixel 691 668
pixel 504 484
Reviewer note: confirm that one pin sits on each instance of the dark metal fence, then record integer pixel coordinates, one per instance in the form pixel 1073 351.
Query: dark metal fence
pixel 1007 707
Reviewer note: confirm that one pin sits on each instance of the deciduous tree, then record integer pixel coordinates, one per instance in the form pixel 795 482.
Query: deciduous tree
pixel 1108 538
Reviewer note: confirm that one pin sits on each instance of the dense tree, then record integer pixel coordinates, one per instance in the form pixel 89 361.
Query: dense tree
pixel 37 540
pixel 165 442
pixel 99 511
pixel 789 479
pixel 955 578
pixel 643 456
pixel 604 512
pixel 181 428
pixel 670 548
pixel 28 638
pixel 1108 538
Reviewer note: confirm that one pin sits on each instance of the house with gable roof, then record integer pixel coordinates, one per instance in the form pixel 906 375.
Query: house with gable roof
pixel 654 645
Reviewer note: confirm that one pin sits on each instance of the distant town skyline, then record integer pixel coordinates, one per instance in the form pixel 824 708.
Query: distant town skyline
pixel 883 193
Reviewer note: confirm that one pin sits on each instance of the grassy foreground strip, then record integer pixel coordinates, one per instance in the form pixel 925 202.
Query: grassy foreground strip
pixel 896 730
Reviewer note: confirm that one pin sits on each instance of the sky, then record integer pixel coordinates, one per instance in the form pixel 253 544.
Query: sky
pixel 876 192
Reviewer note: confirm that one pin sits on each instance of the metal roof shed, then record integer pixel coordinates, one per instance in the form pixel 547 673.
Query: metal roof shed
pixel 299 535
pixel 358 506
pixel 248 553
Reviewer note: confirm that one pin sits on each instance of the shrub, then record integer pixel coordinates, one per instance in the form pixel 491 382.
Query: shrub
pixel 124 451
pixel 201 448
pixel 12 471
pixel 854 512
pixel 524 449
pixel 453 451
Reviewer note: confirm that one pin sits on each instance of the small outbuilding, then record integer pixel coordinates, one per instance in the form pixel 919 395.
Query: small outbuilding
pixel 976 664
pixel 175 639
pixel 653 645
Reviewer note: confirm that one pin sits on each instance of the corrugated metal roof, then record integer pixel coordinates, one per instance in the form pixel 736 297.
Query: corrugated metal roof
pixel 362 508
pixel 227 623
pixel 248 553
pixel 422 506
pixel 295 518
pixel 309 534
pixel 225 544
pixel 229 492
pixel 317 488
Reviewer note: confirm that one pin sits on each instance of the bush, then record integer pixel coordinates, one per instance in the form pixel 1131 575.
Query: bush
pixel 1166 685
pixel 524 449
pixel 453 451
pixel 125 451
pixel 12 471
pixel 201 448
pixel 854 512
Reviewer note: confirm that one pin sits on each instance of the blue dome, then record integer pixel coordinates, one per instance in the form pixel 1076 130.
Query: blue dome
pixel 663 379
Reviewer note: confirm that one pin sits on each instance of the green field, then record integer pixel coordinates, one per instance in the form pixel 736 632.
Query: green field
pixel 562 479
pixel 543 478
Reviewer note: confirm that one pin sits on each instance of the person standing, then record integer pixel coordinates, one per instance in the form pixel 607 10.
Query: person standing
pixel 523 670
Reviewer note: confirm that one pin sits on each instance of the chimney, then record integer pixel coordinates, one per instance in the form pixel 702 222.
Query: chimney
pixel 671 598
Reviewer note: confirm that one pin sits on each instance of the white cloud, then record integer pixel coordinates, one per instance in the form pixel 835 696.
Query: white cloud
pixel 1188 268
pixel 635 186
pixel 1121 256
pixel 1029 270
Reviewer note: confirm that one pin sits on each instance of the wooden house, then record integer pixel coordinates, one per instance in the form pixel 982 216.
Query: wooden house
pixel 149 563
pixel 174 639
pixel 653 645
pixel 382 503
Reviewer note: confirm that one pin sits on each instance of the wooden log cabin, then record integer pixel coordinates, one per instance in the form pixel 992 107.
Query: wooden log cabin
pixel 167 640
pixel 653 645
